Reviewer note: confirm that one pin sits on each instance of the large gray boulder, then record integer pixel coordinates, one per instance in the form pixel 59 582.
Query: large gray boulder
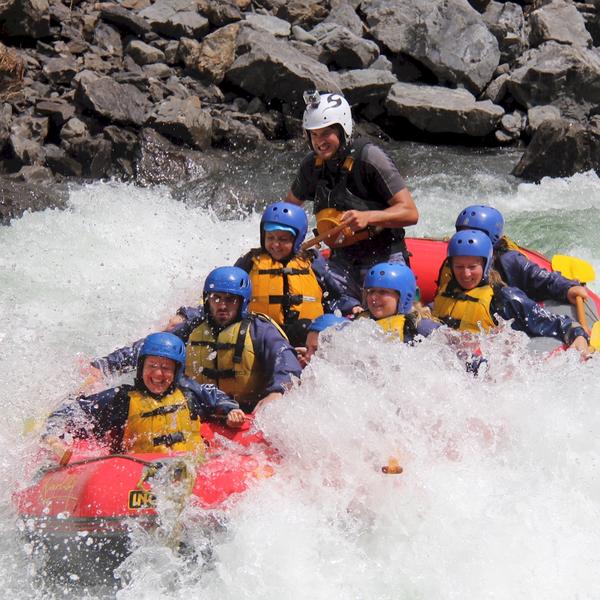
pixel 274 25
pixel 559 21
pixel 28 18
pixel 17 197
pixel 211 58
pixel 176 18
pixel 183 120
pixel 560 148
pixel 564 76
pixel 345 15
pixel 120 103
pixel 343 48
pixel 441 110
pixel 448 37
pixel 272 69
pixel 364 86
pixel 507 22
pixel 123 18
pixel 157 161
pixel 298 12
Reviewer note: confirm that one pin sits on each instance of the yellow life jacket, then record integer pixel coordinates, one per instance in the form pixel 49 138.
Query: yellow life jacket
pixel 396 325
pixel 511 244
pixel 227 360
pixel 285 293
pixel 393 325
pixel 464 310
pixel 164 425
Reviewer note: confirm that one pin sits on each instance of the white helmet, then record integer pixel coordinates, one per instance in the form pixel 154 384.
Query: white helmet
pixel 327 109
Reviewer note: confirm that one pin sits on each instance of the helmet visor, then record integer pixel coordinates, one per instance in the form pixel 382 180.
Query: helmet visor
pixel 277 227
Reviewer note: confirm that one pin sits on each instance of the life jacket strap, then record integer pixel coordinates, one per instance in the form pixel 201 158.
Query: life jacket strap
pixel 284 271
pixel 286 300
pixel 162 410
pixel 217 374
pixel 459 296
pixel 213 345
pixel 169 440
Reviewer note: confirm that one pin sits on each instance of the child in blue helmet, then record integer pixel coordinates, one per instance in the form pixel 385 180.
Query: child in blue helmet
pixel 161 412
pixel 390 290
pixel 475 293
pixel 513 266
pixel 291 286
pixel 244 354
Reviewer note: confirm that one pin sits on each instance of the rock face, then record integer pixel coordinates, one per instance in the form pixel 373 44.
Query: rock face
pixel 271 69
pixel 558 21
pixel 564 76
pixel 443 111
pixel 447 37
pixel 30 18
pixel 560 148
pixel 95 89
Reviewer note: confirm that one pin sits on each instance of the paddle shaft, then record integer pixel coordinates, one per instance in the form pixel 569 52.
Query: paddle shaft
pixel 324 236
pixel 580 309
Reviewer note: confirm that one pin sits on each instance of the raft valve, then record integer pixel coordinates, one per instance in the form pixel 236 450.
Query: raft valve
pixel 392 468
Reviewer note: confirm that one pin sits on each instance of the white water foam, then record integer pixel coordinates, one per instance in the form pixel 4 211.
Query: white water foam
pixel 499 495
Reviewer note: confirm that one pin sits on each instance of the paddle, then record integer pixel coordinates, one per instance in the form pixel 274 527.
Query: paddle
pixel 572 267
pixel 595 336
pixel 324 236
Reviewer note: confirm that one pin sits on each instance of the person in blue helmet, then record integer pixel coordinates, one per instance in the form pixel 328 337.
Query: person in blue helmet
pixel 390 292
pixel 316 327
pixel 475 293
pixel 515 269
pixel 291 286
pixel 354 182
pixel 161 412
pixel 246 355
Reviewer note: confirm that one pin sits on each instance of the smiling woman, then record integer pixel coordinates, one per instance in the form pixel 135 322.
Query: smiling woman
pixel 476 293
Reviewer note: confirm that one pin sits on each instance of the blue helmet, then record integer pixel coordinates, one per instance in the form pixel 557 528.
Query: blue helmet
pixel 284 216
pixel 166 345
pixel 485 218
pixel 325 321
pixel 472 242
pixel 394 277
pixel 230 280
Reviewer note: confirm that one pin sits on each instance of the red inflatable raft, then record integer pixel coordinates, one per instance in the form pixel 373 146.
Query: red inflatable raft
pixel 82 513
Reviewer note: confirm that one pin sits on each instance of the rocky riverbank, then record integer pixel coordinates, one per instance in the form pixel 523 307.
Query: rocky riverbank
pixel 148 90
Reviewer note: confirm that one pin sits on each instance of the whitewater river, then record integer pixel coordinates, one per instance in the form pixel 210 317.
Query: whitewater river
pixel 500 495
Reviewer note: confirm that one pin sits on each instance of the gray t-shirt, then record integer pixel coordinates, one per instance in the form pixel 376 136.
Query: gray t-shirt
pixel 377 173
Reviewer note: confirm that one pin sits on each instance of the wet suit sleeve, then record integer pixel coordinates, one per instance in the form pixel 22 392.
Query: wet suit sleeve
pixel 206 399
pixel 125 359
pixel 531 318
pixel 245 262
pixel 305 183
pixel 538 283
pixel 277 357
pixel 106 411
pixel 334 297
pixel 426 327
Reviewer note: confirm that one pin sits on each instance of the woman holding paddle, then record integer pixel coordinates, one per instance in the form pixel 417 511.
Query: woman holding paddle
pixel 474 294
pixel 513 266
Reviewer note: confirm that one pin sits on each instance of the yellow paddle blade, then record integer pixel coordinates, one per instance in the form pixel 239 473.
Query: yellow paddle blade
pixel 573 268
pixel 595 337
